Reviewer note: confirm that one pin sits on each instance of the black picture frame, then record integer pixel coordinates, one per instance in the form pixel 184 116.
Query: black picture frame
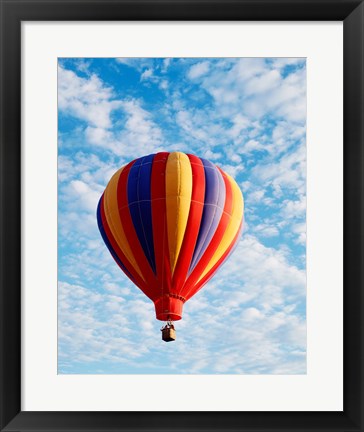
pixel 13 12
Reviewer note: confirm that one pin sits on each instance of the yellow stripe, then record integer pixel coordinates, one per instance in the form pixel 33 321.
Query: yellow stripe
pixel 232 228
pixel 178 201
pixel 114 222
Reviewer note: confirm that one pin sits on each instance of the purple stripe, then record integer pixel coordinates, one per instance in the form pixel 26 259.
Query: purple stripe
pixel 140 204
pixel 213 207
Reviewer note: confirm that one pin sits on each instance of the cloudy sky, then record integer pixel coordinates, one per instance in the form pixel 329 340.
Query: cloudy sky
pixel 246 115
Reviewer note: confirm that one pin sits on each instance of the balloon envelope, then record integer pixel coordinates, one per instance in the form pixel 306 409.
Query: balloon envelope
pixel 170 220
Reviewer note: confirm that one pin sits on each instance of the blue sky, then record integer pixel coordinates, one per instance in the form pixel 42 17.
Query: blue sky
pixel 248 116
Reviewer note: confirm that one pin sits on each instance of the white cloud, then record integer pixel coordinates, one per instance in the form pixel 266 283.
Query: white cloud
pixel 300 230
pixel 281 63
pixel 266 230
pixel 87 99
pixel 190 124
pixel 201 127
pixel 87 167
pixel 83 65
pixel 137 63
pixel 272 264
pixel 82 196
pixel 288 171
pixel 252 145
pixel 284 135
pixel 98 136
pixel 148 73
pixel 294 208
pixel 166 63
pixel 140 135
pixel 198 69
pixel 163 85
pixel 263 83
pixel 240 124
pixel 256 196
pixel 211 155
pixel 254 88
pixel 251 314
pixel 90 100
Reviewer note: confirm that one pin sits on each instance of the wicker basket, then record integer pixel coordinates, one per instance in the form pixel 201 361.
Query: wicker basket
pixel 168 334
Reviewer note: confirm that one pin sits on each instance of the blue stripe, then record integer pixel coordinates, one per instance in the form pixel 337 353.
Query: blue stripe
pixel 140 208
pixel 108 244
pixel 215 195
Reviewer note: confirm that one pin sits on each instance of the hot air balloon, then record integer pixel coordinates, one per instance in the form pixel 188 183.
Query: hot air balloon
pixel 169 221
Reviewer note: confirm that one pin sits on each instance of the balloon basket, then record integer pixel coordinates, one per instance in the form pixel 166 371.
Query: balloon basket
pixel 168 333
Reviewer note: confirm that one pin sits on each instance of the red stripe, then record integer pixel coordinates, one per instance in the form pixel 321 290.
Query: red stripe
pixel 216 267
pixel 130 232
pixel 214 243
pixel 137 279
pixel 159 223
pixel 193 223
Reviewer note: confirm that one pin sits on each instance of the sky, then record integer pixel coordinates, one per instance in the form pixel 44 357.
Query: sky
pixel 246 115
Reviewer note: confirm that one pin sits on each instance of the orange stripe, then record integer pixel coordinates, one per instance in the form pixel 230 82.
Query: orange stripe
pixel 138 281
pixel 113 219
pixel 217 265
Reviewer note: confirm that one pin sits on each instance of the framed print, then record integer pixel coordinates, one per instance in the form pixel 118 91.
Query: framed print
pixel 160 171
pixel 124 344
